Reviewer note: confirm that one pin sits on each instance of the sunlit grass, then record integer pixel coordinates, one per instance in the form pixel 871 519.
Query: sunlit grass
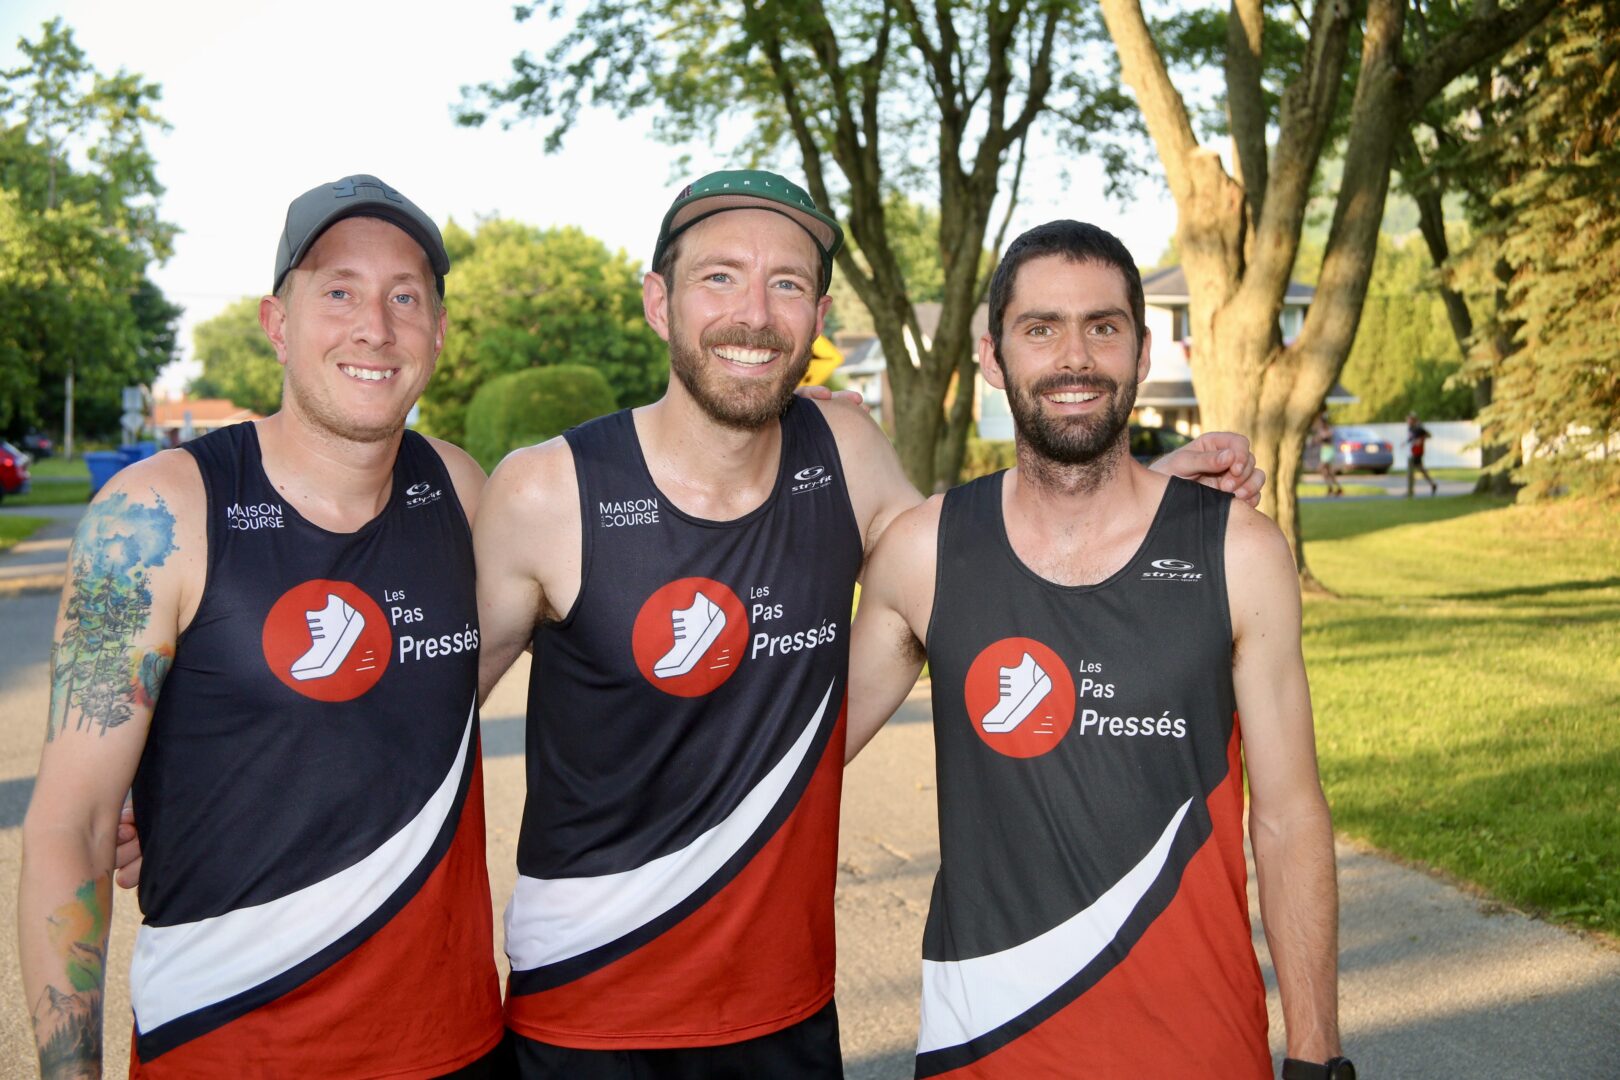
pixel 1467 690
pixel 15 528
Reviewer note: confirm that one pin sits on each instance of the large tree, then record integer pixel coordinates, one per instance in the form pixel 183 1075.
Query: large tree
pixel 519 297
pixel 79 230
pixel 1548 242
pixel 1238 229
pixel 238 361
pixel 872 97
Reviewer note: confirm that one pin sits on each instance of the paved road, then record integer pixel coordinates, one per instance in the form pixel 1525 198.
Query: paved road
pixel 1435 982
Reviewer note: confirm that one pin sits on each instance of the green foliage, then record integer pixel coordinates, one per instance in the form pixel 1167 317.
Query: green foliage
pixel 79 228
pixel 1465 691
pixel 521 297
pixel 531 406
pixel 985 456
pixel 1551 140
pixel 238 361
pixel 1404 353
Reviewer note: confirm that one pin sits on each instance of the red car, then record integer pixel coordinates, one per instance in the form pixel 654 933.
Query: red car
pixel 13 470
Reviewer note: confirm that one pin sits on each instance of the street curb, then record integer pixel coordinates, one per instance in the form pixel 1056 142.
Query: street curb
pixel 33 583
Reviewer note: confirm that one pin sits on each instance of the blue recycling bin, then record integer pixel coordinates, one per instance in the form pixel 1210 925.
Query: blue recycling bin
pixel 102 465
pixel 136 451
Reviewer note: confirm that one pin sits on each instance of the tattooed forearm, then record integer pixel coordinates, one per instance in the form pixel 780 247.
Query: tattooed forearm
pixel 67 1015
pixel 99 676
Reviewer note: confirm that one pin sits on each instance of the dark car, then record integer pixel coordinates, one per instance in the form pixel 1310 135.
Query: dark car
pixel 37 445
pixel 1149 444
pixel 13 470
pixel 1359 449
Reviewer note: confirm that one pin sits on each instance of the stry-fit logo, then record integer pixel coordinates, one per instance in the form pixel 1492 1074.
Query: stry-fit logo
pixel 327 640
pixel 1172 570
pixel 264 515
pixel 421 494
pixel 811 479
pixel 690 636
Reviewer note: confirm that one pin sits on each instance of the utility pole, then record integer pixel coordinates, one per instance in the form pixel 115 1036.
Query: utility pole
pixel 67 417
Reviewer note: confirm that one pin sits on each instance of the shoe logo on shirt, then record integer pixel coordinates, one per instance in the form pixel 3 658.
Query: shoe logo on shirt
pixel 1172 570
pixel 1020 697
pixel 811 479
pixel 689 636
pixel 327 640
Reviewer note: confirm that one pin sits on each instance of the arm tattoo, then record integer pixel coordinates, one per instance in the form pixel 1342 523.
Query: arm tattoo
pixel 96 667
pixel 67 1023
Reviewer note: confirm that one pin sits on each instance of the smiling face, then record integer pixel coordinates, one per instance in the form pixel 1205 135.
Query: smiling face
pixel 358 328
pixel 1069 358
pixel 740 313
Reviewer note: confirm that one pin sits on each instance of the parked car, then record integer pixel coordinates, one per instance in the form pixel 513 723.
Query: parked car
pixel 37 445
pixel 1359 449
pixel 1148 444
pixel 13 470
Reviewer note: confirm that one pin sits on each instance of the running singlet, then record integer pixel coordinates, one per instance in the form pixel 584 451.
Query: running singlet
pixel 310 800
pixel 1090 917
pixel 685 755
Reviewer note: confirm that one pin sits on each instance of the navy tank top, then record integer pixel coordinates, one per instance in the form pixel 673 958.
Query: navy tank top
pixel 685 753
pixel 310 794
pixel 1090 916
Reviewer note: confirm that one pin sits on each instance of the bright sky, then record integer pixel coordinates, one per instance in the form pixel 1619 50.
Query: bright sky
pixel 269 99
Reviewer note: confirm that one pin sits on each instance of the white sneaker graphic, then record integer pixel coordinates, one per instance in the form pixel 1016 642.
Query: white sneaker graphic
pixel 696 628
pixel 1022 688
pixel 333 631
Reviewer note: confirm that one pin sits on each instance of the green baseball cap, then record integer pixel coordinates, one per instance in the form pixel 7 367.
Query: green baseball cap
pixel 751 189
pixel 319 208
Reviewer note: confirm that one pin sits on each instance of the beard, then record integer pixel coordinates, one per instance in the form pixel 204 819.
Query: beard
pixel 739 404
pixel 314 406
pixel 1071 440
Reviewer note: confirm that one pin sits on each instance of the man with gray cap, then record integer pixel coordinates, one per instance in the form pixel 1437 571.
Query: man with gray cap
pixel 684 574
pixel 271 634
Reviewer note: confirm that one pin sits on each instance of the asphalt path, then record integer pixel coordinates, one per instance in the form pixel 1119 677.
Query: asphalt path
pixel 1435 982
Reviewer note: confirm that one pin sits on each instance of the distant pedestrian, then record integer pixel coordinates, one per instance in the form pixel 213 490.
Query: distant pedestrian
pixel 1322 439
pixel 1416 436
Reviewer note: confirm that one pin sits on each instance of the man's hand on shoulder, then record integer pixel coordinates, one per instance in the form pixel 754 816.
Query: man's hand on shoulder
pixel 823 393
pixel 1217 459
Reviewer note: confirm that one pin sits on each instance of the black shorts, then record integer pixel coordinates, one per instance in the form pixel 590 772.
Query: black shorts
pixel 499 1064
pixel 806 1051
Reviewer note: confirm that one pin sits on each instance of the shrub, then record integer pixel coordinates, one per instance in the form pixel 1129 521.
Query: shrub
pixel 533 405
pixel 985 456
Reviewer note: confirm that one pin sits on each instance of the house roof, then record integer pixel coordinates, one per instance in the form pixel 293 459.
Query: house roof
pixel 1169 286
pixel 928 313
pixel 205 412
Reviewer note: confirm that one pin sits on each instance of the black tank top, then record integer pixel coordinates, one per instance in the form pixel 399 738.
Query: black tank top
pixel 1087 754
pixel 678 717
pixel 310 757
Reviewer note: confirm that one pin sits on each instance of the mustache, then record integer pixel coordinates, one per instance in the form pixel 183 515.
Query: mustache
pixel 742 337
pixel 1090 384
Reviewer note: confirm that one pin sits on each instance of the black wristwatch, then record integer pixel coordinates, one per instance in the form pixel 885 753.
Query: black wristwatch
pixel 1336 1068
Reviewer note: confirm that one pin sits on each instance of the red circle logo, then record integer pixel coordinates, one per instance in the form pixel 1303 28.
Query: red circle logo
pixel 1020 697
pixel 690 636
pixel 327 640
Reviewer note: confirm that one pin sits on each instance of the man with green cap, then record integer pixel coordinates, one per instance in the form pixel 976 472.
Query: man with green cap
pixel 684 574
pixel 305 764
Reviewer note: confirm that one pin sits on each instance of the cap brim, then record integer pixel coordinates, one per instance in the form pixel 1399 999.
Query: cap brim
pixel 704 206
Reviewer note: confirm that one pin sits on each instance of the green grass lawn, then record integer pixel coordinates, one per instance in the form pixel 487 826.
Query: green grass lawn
pixel 1466 680
pixel 56 468
pixel 53 493
pixel 1311 489
pixel 14 529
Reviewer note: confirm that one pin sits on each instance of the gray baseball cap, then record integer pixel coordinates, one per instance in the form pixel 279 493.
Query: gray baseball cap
pixel 319 208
